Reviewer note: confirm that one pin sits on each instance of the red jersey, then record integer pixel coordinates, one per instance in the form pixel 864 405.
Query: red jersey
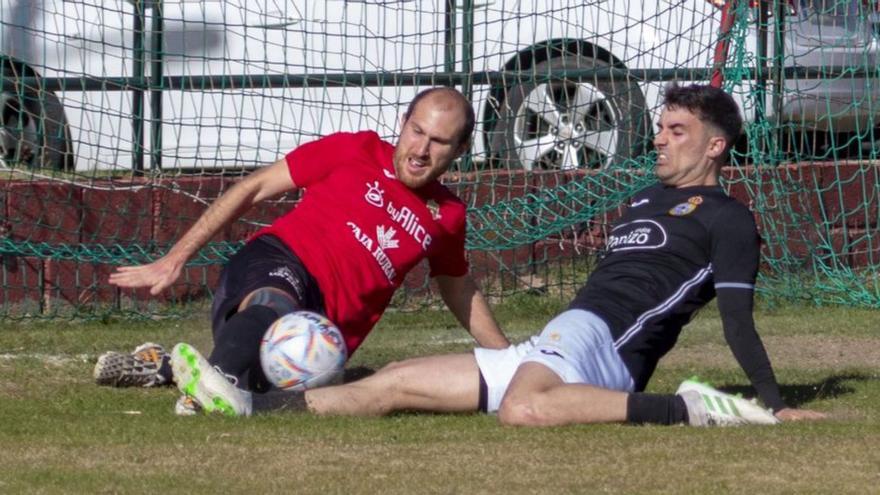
pixel 359 231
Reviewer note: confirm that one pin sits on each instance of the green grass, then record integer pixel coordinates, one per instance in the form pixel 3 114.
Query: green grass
pixel 59 433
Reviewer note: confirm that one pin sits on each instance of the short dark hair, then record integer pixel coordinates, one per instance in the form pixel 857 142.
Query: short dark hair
pixel 469 117
pixel 710 104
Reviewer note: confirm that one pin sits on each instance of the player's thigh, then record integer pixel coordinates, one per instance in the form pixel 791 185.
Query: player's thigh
pixel 531 378
pixel 264 263
pixel 445 383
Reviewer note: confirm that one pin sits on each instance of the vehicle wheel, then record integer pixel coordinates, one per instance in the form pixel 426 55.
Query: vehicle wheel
pixel 33 128
pixel 566 123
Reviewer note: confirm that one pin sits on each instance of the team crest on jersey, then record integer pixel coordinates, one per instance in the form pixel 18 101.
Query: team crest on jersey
pixel 434 208
pixel 374 195
pixel 682 209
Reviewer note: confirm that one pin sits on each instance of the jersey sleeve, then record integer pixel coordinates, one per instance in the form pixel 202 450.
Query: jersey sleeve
pixel 735 248
pixel 735 258
pixel 450 258
pixel 312 161
pixel 735 306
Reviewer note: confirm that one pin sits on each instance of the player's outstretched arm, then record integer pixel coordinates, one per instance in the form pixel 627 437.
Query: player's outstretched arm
pixel 256 187
pixel 469 306
pixel 157 276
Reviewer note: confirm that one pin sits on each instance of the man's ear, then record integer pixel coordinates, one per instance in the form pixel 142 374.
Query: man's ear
pixel 717 145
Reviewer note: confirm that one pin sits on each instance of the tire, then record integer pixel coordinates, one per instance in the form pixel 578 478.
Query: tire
pixel 33 128
pixel 567 124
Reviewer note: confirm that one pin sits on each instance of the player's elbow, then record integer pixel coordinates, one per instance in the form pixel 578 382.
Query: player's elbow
pixel 522 411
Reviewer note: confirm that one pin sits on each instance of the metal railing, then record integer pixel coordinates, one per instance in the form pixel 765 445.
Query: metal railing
pixel 141 84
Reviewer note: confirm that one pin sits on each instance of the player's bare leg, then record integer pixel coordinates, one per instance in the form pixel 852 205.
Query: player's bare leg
pixel 447 383
pixel 538 397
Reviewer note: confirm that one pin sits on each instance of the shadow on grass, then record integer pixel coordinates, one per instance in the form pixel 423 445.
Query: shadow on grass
pixel 356 373
pixel 801 393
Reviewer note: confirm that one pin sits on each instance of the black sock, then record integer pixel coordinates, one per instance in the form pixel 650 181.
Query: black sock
pixel 663 409
pixel 165 370
pixel 280 400
pixel 237 345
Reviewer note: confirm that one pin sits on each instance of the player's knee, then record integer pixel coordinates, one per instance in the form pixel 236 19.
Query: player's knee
pixel 392 380
pixel 276 299
pixel 522 410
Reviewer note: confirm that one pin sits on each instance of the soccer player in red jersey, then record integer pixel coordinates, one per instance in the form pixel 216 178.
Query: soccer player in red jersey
pixel 370 211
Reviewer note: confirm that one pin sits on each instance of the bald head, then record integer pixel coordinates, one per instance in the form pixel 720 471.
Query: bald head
pixel 444 98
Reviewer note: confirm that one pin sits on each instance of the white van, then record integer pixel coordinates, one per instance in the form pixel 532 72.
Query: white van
pixel 335 52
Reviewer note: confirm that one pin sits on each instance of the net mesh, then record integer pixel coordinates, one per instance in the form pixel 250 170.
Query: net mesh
pixel 123 119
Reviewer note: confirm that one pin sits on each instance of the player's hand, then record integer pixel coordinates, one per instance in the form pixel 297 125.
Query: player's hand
pixel 790 414
pixel 158 275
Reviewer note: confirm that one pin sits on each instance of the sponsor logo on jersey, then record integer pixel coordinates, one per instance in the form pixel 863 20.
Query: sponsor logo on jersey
pixel 638 234
pixel 408 220
pixel 375 248
pixel 374 195
pixel 640 202
pixel 388 174
pixel 410 223
pixel 386 237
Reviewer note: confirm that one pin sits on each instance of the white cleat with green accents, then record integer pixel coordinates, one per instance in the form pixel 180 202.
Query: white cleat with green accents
pixel 708 406
pixel 210 388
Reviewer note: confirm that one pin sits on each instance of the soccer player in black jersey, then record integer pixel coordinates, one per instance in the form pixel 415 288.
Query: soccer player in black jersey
pixel 680 244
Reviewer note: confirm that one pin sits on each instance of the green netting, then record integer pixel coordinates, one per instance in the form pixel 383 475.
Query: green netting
pixel 813 180
pixel 123 119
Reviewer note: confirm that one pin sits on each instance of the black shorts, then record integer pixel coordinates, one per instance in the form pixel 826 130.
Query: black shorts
pixel 264 262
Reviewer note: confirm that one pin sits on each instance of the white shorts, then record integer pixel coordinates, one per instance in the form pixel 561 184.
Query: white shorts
pixel 576 345
pixel 497 367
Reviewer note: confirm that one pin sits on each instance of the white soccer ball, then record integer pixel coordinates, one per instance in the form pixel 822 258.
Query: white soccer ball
pixel 302 350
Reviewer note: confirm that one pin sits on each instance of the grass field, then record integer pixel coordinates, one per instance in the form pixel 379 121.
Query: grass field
pixel 59 433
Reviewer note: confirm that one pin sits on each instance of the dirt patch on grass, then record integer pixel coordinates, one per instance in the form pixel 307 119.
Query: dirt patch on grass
pixel 798 351
pixel 8 388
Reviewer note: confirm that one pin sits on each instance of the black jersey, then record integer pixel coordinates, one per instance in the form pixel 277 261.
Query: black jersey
pixel 668 255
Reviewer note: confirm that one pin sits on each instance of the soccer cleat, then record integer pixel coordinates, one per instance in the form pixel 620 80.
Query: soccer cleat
pixel 186 406
pixel 209 387
pixel 138 369
pixel 707 406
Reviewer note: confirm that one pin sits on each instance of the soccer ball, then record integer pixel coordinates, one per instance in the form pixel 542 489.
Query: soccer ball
pixel 302 350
